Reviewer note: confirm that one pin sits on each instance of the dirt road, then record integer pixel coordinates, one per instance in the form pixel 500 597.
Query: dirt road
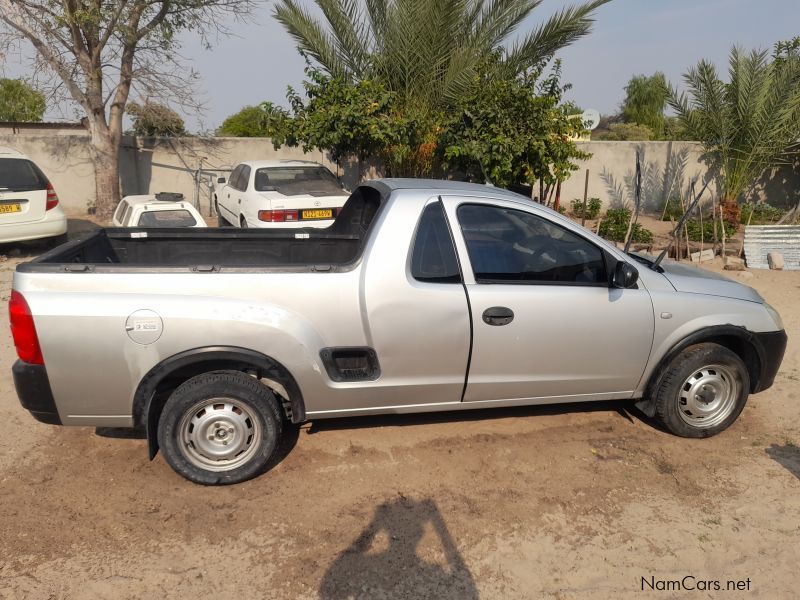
pixel 564 502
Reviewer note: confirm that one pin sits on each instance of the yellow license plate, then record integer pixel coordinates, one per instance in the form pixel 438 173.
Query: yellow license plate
pixel 324 213
pixel 10 208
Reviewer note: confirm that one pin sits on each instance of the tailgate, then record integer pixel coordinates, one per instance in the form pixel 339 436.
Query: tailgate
pixel 22 207
pixel 23 191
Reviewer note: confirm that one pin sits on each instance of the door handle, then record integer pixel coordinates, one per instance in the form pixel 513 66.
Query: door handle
pixel 498 315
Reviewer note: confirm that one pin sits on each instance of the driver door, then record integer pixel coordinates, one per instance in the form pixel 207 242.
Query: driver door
pixel 546 324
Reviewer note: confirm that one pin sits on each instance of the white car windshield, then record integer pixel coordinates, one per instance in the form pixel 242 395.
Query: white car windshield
pixel 294 181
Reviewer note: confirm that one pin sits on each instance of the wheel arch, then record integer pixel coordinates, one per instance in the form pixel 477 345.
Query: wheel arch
pixel 156 386
pixel 737 339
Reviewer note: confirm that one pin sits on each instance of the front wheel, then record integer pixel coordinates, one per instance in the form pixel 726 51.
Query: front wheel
pixel 220 428
pixel 702 391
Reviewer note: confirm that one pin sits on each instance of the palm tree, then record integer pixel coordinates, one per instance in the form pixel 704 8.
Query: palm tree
pixel 748 125
pixel 428 51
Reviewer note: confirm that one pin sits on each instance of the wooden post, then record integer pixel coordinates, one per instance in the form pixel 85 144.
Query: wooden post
pixel 585 198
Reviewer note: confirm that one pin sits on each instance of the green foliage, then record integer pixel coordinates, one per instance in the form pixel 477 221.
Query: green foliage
pixel 693 230
pixel 760 213
pixel 339 117
pixel 748 124
pixel 248 122
pixel 428 52
pixel 593 206
pixel 615 226
pixel 671 209
pixel 155 120
pixel 20 102
pixel 645 102
pixel 621 132
pixel 508 133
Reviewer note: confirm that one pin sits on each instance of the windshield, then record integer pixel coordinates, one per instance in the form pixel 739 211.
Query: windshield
pixel 20 175
pixel 293 181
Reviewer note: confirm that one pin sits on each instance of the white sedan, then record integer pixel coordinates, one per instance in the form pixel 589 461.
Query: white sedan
pixel 29 208
pixel 279 193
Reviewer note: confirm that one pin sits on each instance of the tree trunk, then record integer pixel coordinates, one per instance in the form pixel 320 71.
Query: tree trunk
pixel 105 154
pixel 731 211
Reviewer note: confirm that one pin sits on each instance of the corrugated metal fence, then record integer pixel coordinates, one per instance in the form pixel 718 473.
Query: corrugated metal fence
pixel 760 240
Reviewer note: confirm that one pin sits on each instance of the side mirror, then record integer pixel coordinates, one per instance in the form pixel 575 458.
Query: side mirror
pixel 625 275
pixel 220 180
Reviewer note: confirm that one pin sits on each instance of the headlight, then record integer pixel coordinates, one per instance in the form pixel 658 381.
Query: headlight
pixel 775 316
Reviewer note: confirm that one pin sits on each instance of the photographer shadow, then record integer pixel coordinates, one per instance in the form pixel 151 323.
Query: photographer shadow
pixel 384 562
pixel 788 456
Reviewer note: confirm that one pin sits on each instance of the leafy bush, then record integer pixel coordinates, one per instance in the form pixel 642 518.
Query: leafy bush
pixel 693 230
pixel 615 226
pixel 762 213
pixel 671 209
pixel 593 206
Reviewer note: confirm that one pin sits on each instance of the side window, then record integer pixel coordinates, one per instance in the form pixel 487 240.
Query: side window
pixel 234 179
pixel 120 211
pixel 513 246
pixel 244 179
pixel 126 217
pixel 433 259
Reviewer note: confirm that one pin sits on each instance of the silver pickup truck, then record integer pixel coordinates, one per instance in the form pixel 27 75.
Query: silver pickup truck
pixel 421 296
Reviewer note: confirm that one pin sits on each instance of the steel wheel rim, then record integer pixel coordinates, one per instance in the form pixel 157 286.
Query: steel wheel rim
pixel 219 434
pixel 708 396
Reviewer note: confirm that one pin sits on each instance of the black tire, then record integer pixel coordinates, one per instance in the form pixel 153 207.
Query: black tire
pixel 681 411
pixel 257 406
pixel 242 222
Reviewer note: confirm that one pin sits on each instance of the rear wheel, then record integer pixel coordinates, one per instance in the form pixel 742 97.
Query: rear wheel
pixel 702 391
pixel 220 428
pixel 242 222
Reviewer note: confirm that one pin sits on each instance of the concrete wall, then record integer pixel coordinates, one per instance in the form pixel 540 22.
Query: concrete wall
pixel 147 165
pixel 155 165
pixel 668 168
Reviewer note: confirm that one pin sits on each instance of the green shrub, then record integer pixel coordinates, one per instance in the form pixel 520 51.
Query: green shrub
pixel 693 230
pixel 762 213
pixel 615 226
pixel 671 209
pixel 593 206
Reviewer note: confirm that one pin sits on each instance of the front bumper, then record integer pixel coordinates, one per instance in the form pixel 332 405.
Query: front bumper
pixel 34 393
pixel 770 346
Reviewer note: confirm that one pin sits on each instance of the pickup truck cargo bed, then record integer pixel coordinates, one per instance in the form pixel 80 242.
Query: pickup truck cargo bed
pixel 166 248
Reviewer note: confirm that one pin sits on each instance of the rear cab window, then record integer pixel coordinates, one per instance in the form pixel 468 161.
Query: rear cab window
pixel 21 175
pixel 434 259
pixel 167 218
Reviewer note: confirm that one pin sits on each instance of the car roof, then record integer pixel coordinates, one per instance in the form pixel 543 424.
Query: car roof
pixel 6 152
pixel 151 199
pixel 444 185
pixel 265 164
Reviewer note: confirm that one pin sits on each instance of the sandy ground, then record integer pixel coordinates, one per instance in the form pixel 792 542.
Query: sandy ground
pixel 558 502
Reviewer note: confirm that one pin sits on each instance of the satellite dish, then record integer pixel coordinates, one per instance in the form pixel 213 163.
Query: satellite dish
pixel 591 119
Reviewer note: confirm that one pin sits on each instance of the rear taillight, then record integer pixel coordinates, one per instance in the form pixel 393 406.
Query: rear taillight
pixel 277 216
pixel 23 330
pixel 52 197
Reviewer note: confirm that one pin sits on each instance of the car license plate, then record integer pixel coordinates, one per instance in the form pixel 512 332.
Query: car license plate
pixel 323 213
pixel 10 208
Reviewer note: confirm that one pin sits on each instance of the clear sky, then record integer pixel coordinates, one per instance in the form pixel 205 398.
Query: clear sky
pixel 630 37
